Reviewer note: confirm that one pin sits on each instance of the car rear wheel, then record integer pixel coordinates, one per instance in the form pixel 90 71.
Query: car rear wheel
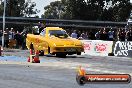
pixel 78 53
pixel 41 53
pixel 61 55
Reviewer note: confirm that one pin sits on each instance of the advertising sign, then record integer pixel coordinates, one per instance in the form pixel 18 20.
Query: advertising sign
pixel 123 49
pixel 97 47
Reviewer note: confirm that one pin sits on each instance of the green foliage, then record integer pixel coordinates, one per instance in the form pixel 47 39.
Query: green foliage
pixel 106 10
pixel 1 10
pixel 54 10
pixel 29 10
pixel 19 8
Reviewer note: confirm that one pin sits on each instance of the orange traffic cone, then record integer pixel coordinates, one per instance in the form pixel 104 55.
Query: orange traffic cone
pixel 31 52
pixel 36 58
pixel 28 59
pixel 81 71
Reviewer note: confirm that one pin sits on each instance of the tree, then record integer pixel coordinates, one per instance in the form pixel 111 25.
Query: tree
pixel 54 10
pixel 117 10
pixel 20 8
pixel 28 10
pixel 1 10
pixel 110 10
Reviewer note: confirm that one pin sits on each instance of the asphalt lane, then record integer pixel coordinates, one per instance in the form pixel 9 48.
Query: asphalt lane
pixel 55 72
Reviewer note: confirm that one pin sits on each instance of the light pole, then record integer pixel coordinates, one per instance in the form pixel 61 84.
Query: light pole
pixel 3 23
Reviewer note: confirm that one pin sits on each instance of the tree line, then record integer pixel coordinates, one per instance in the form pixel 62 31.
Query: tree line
pixel 19 8
pixel 102 10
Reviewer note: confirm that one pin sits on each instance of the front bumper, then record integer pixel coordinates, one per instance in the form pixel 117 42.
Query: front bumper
pixel 67 50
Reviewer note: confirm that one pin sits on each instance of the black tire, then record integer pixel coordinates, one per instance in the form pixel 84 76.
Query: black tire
pixel 61 55
pixel 41 53
pixel 80 80
pixel 78 53
pixel 48 50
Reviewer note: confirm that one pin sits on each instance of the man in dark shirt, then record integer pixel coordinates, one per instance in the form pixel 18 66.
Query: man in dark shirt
pixel 122 35
pixel 129 35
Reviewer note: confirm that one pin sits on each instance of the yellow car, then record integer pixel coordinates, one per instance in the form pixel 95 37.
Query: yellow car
pixel 55 41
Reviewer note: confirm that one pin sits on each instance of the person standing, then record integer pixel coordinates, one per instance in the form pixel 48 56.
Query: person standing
pixel 6 37
pixel 74 34
pixel 1 37
pixel 11 34
pixel 97 35
pixel 122 35
pixel 111 35
pixel 18 39
pixel 129 35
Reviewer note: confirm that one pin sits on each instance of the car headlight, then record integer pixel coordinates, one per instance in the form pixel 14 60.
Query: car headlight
pixel 78 44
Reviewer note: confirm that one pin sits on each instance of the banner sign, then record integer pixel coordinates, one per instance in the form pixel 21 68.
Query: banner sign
pixel 123 49
pixel 97 47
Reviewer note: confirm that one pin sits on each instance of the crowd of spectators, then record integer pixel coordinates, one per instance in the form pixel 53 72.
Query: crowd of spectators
pixel 103 34
pixel 13 39
pixel 19 38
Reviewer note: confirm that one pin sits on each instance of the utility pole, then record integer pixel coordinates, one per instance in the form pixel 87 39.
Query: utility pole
pixel 3 23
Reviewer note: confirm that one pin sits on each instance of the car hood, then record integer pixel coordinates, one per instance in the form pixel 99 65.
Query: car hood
pixel 65 41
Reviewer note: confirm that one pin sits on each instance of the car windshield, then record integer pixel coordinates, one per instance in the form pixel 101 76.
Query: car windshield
pixel 58 33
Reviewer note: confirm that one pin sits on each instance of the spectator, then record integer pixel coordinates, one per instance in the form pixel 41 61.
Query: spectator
pixel 78 34
pixel 23 36
pixel 11 33
pixel 129 35
pixel 111 35
pixel 122 35
pixel 18 39
pixel 6 37
pixel 1 34
pixel 97 35
pixel 83 36
pixel 103 35
pixel 74 34
pixel 91 35
pixel 41 26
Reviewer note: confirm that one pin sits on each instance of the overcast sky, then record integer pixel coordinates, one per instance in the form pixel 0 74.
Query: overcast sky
pixel 40 4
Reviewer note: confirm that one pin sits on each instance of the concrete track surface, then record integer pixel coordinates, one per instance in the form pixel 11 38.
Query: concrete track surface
pixel 55 72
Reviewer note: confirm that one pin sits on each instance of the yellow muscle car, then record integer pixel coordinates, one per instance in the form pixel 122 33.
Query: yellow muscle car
pixel 55 41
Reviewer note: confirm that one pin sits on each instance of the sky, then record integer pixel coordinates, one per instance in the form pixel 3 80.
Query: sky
pixel 40 4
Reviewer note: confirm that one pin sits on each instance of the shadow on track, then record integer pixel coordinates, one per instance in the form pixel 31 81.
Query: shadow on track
pixel 68 56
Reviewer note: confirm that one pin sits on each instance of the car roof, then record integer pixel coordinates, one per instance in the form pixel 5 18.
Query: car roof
pixel 53 28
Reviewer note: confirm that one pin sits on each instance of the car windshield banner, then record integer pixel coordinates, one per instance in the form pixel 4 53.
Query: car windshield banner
pixel 123 49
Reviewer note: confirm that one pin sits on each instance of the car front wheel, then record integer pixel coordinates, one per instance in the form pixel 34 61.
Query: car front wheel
pixel 78 53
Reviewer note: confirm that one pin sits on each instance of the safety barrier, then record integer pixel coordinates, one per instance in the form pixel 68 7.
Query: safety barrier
pixel 123 49
pixel 97 47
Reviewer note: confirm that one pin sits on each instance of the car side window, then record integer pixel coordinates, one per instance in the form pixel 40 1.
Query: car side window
pixel 43 32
